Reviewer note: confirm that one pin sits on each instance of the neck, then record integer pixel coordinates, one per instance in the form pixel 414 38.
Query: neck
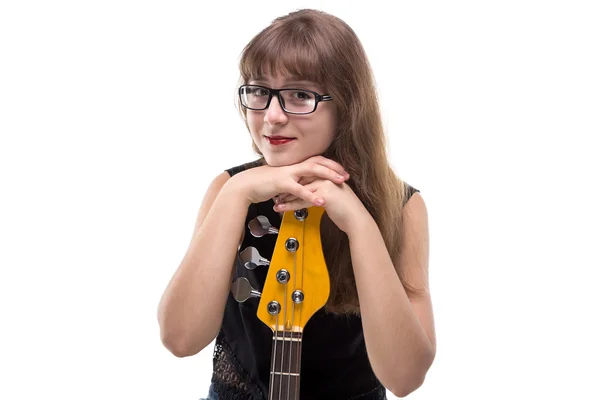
pixel 284 383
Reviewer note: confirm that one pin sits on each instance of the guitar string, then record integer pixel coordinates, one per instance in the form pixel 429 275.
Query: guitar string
pixel 283 331
pixel 289 371
pixel 283 334
pixel 282 345
pixel 274 351
pixel 273 368
pixel 302 267
pixel 274 375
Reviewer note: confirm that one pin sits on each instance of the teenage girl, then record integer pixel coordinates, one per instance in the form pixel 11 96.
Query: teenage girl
pixel 308 99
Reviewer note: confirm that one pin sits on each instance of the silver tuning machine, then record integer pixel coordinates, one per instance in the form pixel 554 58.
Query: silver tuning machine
pixel 260 226
pixel 242 290
pixel 252 258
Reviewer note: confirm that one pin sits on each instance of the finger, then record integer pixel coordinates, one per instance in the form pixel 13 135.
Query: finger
pixel 282 198
pixel 293 205
pixel 285 198
pixel 320 171
pixel 304 193
pixel 308 182
pixel 311 184
pixel 305 180
pixel 296 201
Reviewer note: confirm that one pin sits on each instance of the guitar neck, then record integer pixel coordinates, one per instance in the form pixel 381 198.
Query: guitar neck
pixel 284 383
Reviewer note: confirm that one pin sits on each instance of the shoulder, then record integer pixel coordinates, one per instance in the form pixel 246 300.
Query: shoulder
pixel 414 224
pixel 414 238
pixel 242 167
pixel 221 179
pixel 414 208
pixel 409 191
pixel 213 190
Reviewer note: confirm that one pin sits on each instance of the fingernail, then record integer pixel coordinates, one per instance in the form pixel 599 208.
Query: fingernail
pixel 340 176
pixel 320 202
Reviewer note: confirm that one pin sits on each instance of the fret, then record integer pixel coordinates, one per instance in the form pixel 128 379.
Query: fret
pixel 285 366
pixel 284 388
pixel 288 339
pixel 287 352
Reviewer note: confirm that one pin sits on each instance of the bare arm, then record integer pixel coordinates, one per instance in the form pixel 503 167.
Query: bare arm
pixel 191 308
pixel 399 330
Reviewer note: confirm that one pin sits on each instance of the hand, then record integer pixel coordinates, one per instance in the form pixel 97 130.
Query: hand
pixel 286 197
pixel 265 182
pixel 342 205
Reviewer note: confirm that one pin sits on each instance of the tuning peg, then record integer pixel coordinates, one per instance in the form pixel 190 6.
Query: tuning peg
pixel 261 226
pixel 242 290
pixel 251 258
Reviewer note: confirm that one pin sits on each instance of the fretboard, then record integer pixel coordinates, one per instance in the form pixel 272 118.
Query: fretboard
pixel 284 381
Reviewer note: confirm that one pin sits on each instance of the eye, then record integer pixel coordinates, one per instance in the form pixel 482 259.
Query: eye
pixel 258 91
pixel 298 95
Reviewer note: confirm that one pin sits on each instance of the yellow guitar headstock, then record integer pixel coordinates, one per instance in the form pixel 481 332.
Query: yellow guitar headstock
pixel 297 283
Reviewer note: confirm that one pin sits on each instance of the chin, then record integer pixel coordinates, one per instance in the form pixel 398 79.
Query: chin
pixel 281 160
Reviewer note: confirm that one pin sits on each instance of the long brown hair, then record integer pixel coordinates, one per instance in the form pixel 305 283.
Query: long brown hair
pixel 322 48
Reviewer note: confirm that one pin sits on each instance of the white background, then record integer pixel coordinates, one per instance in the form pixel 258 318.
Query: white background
pixel 116 115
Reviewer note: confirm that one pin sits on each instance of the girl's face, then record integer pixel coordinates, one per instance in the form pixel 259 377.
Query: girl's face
pixel 311 134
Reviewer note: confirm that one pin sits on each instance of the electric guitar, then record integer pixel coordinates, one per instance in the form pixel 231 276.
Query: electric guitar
pixel 296 287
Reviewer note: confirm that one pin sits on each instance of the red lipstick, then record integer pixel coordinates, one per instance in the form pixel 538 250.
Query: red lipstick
pixel 279 140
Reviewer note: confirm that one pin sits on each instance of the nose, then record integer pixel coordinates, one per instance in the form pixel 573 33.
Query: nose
pixel 275 114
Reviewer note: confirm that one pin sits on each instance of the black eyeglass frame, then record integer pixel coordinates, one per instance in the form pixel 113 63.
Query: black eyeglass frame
pixel 275 92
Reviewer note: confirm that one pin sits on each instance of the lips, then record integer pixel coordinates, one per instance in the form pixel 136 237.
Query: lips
pixel 277 140
pixel 277 137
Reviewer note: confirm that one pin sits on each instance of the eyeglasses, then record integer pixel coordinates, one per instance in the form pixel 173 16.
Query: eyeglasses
pixel 292 101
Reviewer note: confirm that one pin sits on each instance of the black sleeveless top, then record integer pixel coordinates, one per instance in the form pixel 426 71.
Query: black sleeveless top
pixel 334 362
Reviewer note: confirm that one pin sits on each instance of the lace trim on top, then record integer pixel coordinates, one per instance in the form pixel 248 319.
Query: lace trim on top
pixel 229 379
